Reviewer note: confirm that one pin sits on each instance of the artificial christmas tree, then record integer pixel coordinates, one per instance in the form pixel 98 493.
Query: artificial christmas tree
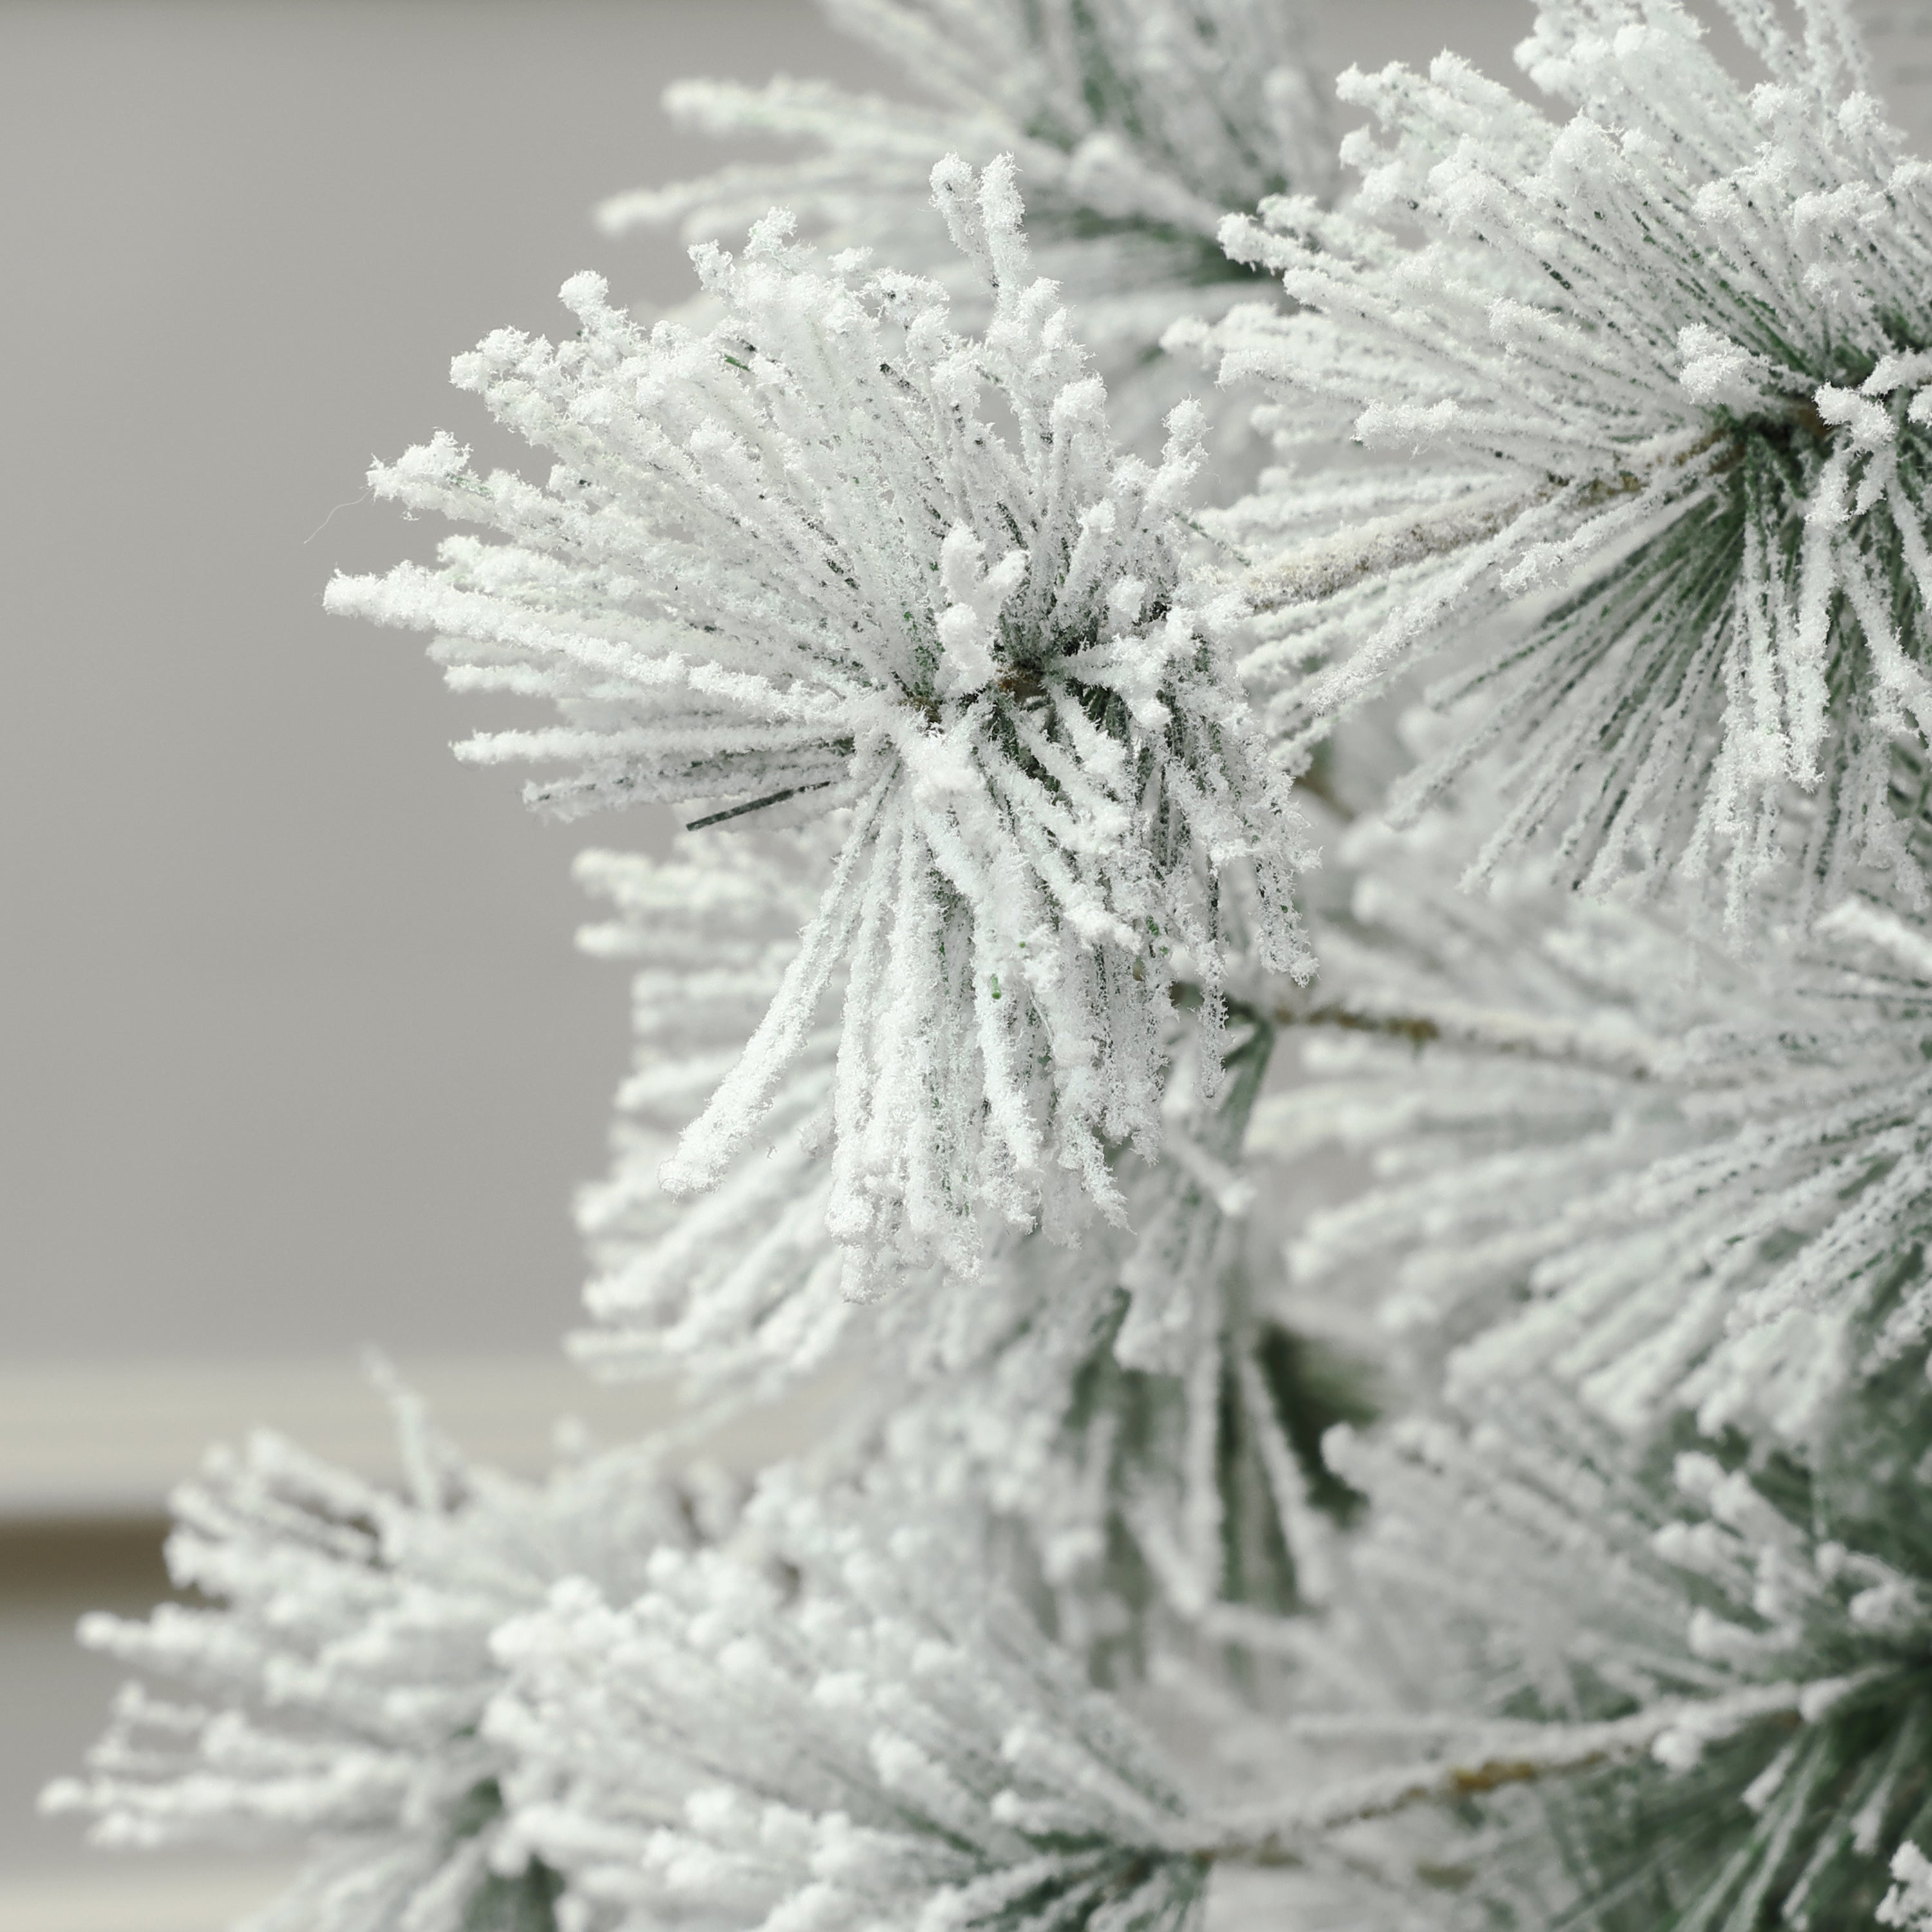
pixel 1338 1060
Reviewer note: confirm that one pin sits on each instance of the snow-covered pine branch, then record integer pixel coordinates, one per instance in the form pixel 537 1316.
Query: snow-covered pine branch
pixel 1139 1412
pixel 789 563
pixel 998 887
pixel 1136 125
pixel 868 1734
pixel 1598 1149
pixel 740 1288
pixel 1775 1613
pixel 1652 378
pixel 337 1670
pixel 1129 1405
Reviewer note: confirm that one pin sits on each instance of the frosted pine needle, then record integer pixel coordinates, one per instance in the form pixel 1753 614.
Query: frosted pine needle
pixel 1654 376
pixel 1601 1150
pixel 1135 125
pixel 1127 1405
pixel 790 563
pixel 338 1672
pixel 1761 1639
pixel 1908 1903
pixel 956 1009
pixel 868 1736
pixel 739 1288
pixel 1136 1410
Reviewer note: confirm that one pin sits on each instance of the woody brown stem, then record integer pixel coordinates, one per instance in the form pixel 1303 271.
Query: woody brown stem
pixel 1516 1754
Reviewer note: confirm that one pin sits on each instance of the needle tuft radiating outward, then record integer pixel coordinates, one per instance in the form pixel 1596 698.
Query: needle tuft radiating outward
pixel 830 553
pixel 1646 376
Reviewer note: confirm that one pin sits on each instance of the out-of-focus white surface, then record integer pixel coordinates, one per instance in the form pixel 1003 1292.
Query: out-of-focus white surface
pixel 106 1443
pixel 109 1441
pixel 136 1895
pixel 1899 33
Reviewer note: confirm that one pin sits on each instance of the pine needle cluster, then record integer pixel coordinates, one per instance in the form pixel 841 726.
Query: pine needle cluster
pixel 1137 124
pixel 1653 377
pixel 337 1661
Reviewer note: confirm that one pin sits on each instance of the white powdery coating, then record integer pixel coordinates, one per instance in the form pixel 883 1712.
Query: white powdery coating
pixel 1135 124
pixel 337 1674
pixel 1655 379
pixel 1105 1395
pixel 1908 1903
pixel 740 1288
pixel 1668 1177
pixel 869 1735
pixel 1486 1549
pixel 1120 1411
pixel 1530 1569
pixel 788 562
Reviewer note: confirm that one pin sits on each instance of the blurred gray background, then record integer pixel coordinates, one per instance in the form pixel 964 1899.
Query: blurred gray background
pixel 294 1053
